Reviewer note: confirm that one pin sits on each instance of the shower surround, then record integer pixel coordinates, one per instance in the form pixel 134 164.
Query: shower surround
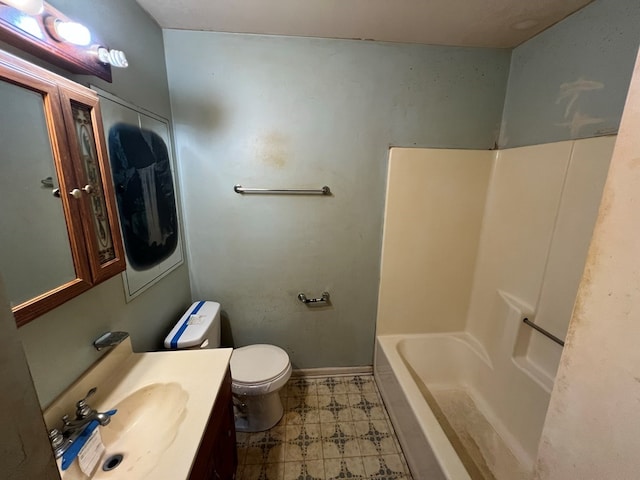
pixel 461 374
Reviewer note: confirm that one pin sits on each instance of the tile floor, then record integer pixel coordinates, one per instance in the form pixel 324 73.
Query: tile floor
pixel 333 427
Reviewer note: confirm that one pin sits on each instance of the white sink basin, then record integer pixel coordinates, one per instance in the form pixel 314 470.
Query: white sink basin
pixel 163 399
pixel 145 425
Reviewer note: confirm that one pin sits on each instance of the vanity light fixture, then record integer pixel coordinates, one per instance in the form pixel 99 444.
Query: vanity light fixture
pixel 38 28
pixel 78 34
pixel 30 7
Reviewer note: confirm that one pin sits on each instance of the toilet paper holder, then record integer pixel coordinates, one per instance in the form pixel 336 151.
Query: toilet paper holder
pixel 324 300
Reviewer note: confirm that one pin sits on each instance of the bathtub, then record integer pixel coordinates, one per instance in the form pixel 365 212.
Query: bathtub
pixel 457 415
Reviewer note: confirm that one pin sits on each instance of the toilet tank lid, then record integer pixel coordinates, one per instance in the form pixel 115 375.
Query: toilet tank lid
pixel 193 327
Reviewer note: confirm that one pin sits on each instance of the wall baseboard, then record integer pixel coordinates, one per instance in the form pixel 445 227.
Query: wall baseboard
pixel 323 372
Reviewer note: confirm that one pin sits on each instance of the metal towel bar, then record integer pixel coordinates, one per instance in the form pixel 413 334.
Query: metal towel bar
pixel 282 191
pixel 543 331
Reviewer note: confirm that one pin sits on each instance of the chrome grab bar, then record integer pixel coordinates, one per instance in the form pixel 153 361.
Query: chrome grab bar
pixel 543 331
pixel 282 191
pixel 324 300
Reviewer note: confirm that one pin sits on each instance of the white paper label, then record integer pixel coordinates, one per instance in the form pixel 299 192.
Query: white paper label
pixel 195 320
pixel 90 454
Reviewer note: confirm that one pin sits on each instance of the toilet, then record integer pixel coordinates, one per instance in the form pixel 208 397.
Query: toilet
pixel 258 372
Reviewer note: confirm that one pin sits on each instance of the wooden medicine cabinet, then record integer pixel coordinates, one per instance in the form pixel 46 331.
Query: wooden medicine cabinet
pixel 59 233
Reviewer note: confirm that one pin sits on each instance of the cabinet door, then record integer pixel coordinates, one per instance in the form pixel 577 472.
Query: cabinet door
pixel 217 457
pixel 42 254
pixel 226 453
pixel 59 233
pixel 81 112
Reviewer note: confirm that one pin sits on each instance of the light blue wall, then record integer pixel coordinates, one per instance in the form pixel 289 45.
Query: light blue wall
pixel 301 112
pixel 571 81
pixel 58 344
pixel 277 111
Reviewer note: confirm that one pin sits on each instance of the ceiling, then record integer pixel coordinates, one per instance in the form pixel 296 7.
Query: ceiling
pixel 479 23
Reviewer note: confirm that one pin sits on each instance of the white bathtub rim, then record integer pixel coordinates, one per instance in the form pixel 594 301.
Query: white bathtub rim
pixel 463 337
pixel 444 452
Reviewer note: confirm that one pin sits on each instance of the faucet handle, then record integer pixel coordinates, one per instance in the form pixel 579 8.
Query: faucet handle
pixel 57 442
pixel 83 409
pixel 56 437
pixel 89 393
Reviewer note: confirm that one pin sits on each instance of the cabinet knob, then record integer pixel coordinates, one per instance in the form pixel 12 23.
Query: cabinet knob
pixel 76 193
pixel 87 189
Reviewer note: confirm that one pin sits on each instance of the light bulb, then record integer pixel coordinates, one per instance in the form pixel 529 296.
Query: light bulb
pixel 30 7
pixel 73 32
pixel 115 58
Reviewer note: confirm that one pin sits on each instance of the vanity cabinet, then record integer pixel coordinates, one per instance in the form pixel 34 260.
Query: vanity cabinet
pixel 59 233
pixel 217 457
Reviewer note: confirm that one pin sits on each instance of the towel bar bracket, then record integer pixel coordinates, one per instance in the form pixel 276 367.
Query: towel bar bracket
pixel 324 300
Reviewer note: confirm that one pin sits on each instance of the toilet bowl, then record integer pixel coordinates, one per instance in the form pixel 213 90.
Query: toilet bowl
pixel 258 372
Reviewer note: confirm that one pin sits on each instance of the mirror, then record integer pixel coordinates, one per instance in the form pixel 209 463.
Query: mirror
pixel 58 223
pixel 36 255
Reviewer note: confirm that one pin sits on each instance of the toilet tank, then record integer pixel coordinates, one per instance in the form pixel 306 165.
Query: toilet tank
pixel 199 327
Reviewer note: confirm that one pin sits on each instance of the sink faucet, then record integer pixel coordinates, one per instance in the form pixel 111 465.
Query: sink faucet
pixel 84 415
pixel 62 439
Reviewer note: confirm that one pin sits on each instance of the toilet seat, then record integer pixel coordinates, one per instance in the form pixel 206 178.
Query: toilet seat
pixel 258 369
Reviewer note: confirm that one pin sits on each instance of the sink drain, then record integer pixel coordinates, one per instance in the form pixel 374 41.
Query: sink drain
pixel 112 462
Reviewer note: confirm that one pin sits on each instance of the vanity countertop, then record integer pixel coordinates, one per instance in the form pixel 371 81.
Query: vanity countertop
pixel 118 374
